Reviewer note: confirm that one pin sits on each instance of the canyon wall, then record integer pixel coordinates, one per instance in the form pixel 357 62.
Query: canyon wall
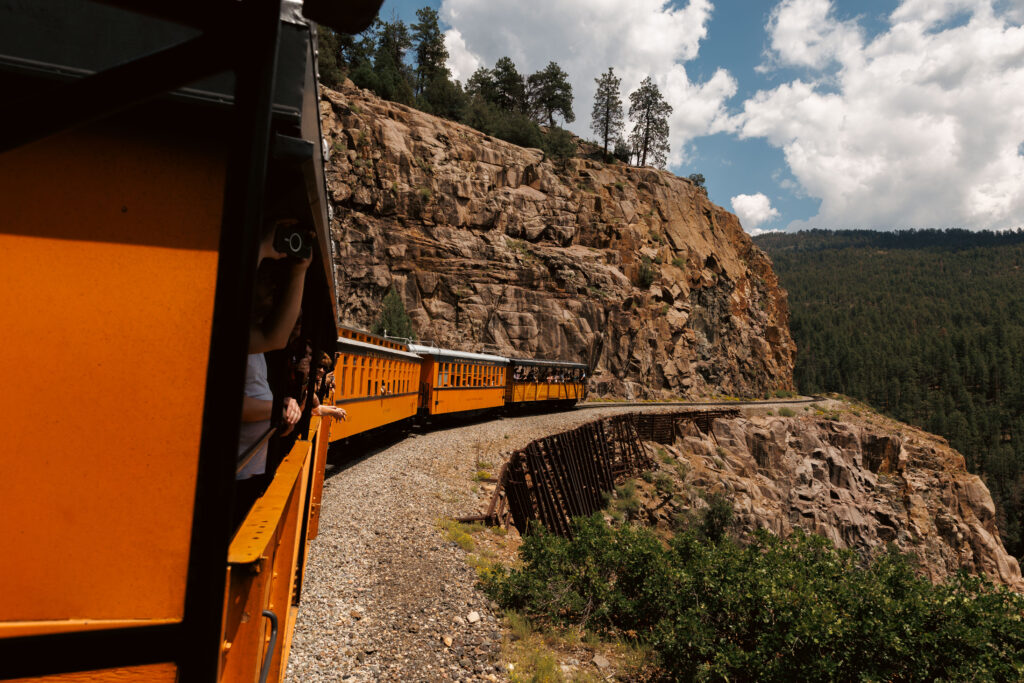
pixel 861 481
pixel 494 248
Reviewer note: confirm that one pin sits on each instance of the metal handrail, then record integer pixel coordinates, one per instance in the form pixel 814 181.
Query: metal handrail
pixel 252 450
pixel 265 670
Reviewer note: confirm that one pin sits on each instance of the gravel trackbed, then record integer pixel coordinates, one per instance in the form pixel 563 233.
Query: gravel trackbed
pixel 386 596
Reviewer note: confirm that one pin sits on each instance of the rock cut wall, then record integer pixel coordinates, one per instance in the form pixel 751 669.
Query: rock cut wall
pixel 493 248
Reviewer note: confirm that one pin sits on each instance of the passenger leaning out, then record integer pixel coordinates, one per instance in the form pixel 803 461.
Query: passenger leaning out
pixel 278 299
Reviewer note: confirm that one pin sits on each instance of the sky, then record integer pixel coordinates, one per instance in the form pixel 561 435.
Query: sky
pixel 841 114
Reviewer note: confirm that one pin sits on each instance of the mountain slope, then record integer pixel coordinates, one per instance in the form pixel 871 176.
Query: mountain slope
pixel 926 326
pixel 494 248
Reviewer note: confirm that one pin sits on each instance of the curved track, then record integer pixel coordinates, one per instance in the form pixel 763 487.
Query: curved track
pixel 701 404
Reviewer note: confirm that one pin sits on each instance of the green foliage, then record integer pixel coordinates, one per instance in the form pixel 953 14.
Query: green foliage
pixel 331 73
pixel 698 180
pixel 510 126
pixel 621 151
pixel 646 274
pixel 548 92
pixel 773 610
pixel 606 116
pixel 924 326
pixel 716 518
pixel 786 412
pixel 431 53
pixel 649 113
pixel 559 146
pixel 509 86
pixel 393 320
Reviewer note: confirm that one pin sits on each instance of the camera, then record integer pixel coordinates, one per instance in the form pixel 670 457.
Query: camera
pixel 293 241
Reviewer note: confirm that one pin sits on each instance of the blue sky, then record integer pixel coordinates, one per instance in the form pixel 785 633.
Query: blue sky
pixel 799 113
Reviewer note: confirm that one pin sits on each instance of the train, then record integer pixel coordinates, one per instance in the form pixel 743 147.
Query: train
pixel 388 383
pixel 148 151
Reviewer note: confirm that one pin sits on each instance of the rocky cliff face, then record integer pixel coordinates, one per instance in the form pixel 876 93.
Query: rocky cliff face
pixel 862 483
pixel 495 249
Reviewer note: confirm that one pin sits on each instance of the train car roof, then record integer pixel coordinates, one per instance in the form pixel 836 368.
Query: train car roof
pixel 455 355
pixel 549 363
pixel 345 342
pixel 370 337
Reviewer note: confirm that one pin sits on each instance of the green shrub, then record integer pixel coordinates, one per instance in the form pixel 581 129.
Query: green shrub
pixel 793 609
pixel 664 484
pixel 786 412
pixel 646 274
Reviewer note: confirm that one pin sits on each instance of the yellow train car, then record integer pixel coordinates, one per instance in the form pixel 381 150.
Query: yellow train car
pixel 456 381
pixel 135 152
pixel 376 381
pixel 539 382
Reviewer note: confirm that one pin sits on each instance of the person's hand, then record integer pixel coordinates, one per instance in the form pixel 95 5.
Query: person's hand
pixel 299 266
pixel 334 411
pixel 290 415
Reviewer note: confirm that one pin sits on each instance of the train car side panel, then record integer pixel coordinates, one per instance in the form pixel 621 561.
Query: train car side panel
pixel 109 302
pixel 375 384
pixel 151 673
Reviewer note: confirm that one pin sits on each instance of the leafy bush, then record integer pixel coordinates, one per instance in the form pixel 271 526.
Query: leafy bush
pixel 773 610
pixel 786 412
pixel 646 274
pixel 559 146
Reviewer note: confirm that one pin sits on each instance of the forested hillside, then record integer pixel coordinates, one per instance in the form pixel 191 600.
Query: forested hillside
pixel 926 326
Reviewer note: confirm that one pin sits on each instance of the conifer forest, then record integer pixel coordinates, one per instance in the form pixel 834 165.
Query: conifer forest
pixel 925 326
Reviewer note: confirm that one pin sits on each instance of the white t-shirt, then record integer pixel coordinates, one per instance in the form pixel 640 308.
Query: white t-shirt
pixel 256 386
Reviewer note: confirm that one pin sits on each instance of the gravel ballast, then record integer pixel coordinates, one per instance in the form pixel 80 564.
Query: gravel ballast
pixel 386 596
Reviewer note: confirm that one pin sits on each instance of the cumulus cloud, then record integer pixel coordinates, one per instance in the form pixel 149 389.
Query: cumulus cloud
pixel 920 126
pixel 637 37
pixel 753 210
pixel 803 33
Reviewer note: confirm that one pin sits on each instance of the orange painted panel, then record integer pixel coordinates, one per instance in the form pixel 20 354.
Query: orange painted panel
pixel 263 558
pixel 110 242
pixel 468 398
pixel 370 392
pixel 149 673
pixel 11 629
pixel 320 445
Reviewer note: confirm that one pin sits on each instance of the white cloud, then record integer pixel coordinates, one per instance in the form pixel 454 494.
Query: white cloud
pixel 636 37
pixel 461 61
pixel 753 210
pixel 804 34
pixel 918 127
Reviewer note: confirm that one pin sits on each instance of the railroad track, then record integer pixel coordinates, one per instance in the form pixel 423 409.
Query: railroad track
pixel 700 404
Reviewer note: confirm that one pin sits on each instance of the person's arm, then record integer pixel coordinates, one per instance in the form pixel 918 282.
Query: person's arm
pixel 273 333
pixel 256 409
pixel 290 415
pixel 331 411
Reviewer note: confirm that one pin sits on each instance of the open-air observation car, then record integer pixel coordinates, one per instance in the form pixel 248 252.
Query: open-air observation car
pixel 534 382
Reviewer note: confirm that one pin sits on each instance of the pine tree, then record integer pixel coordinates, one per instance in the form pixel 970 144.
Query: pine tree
pixel 327 57
pixel 548 93
pixel 392 73
pixel 481 84
pixel 649 113
pixel 509 86
pixel 431 53
pixel 606 117
pixel 393 320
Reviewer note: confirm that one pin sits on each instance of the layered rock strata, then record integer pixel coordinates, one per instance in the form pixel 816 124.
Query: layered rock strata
pixel 493 248
pixel 862 483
